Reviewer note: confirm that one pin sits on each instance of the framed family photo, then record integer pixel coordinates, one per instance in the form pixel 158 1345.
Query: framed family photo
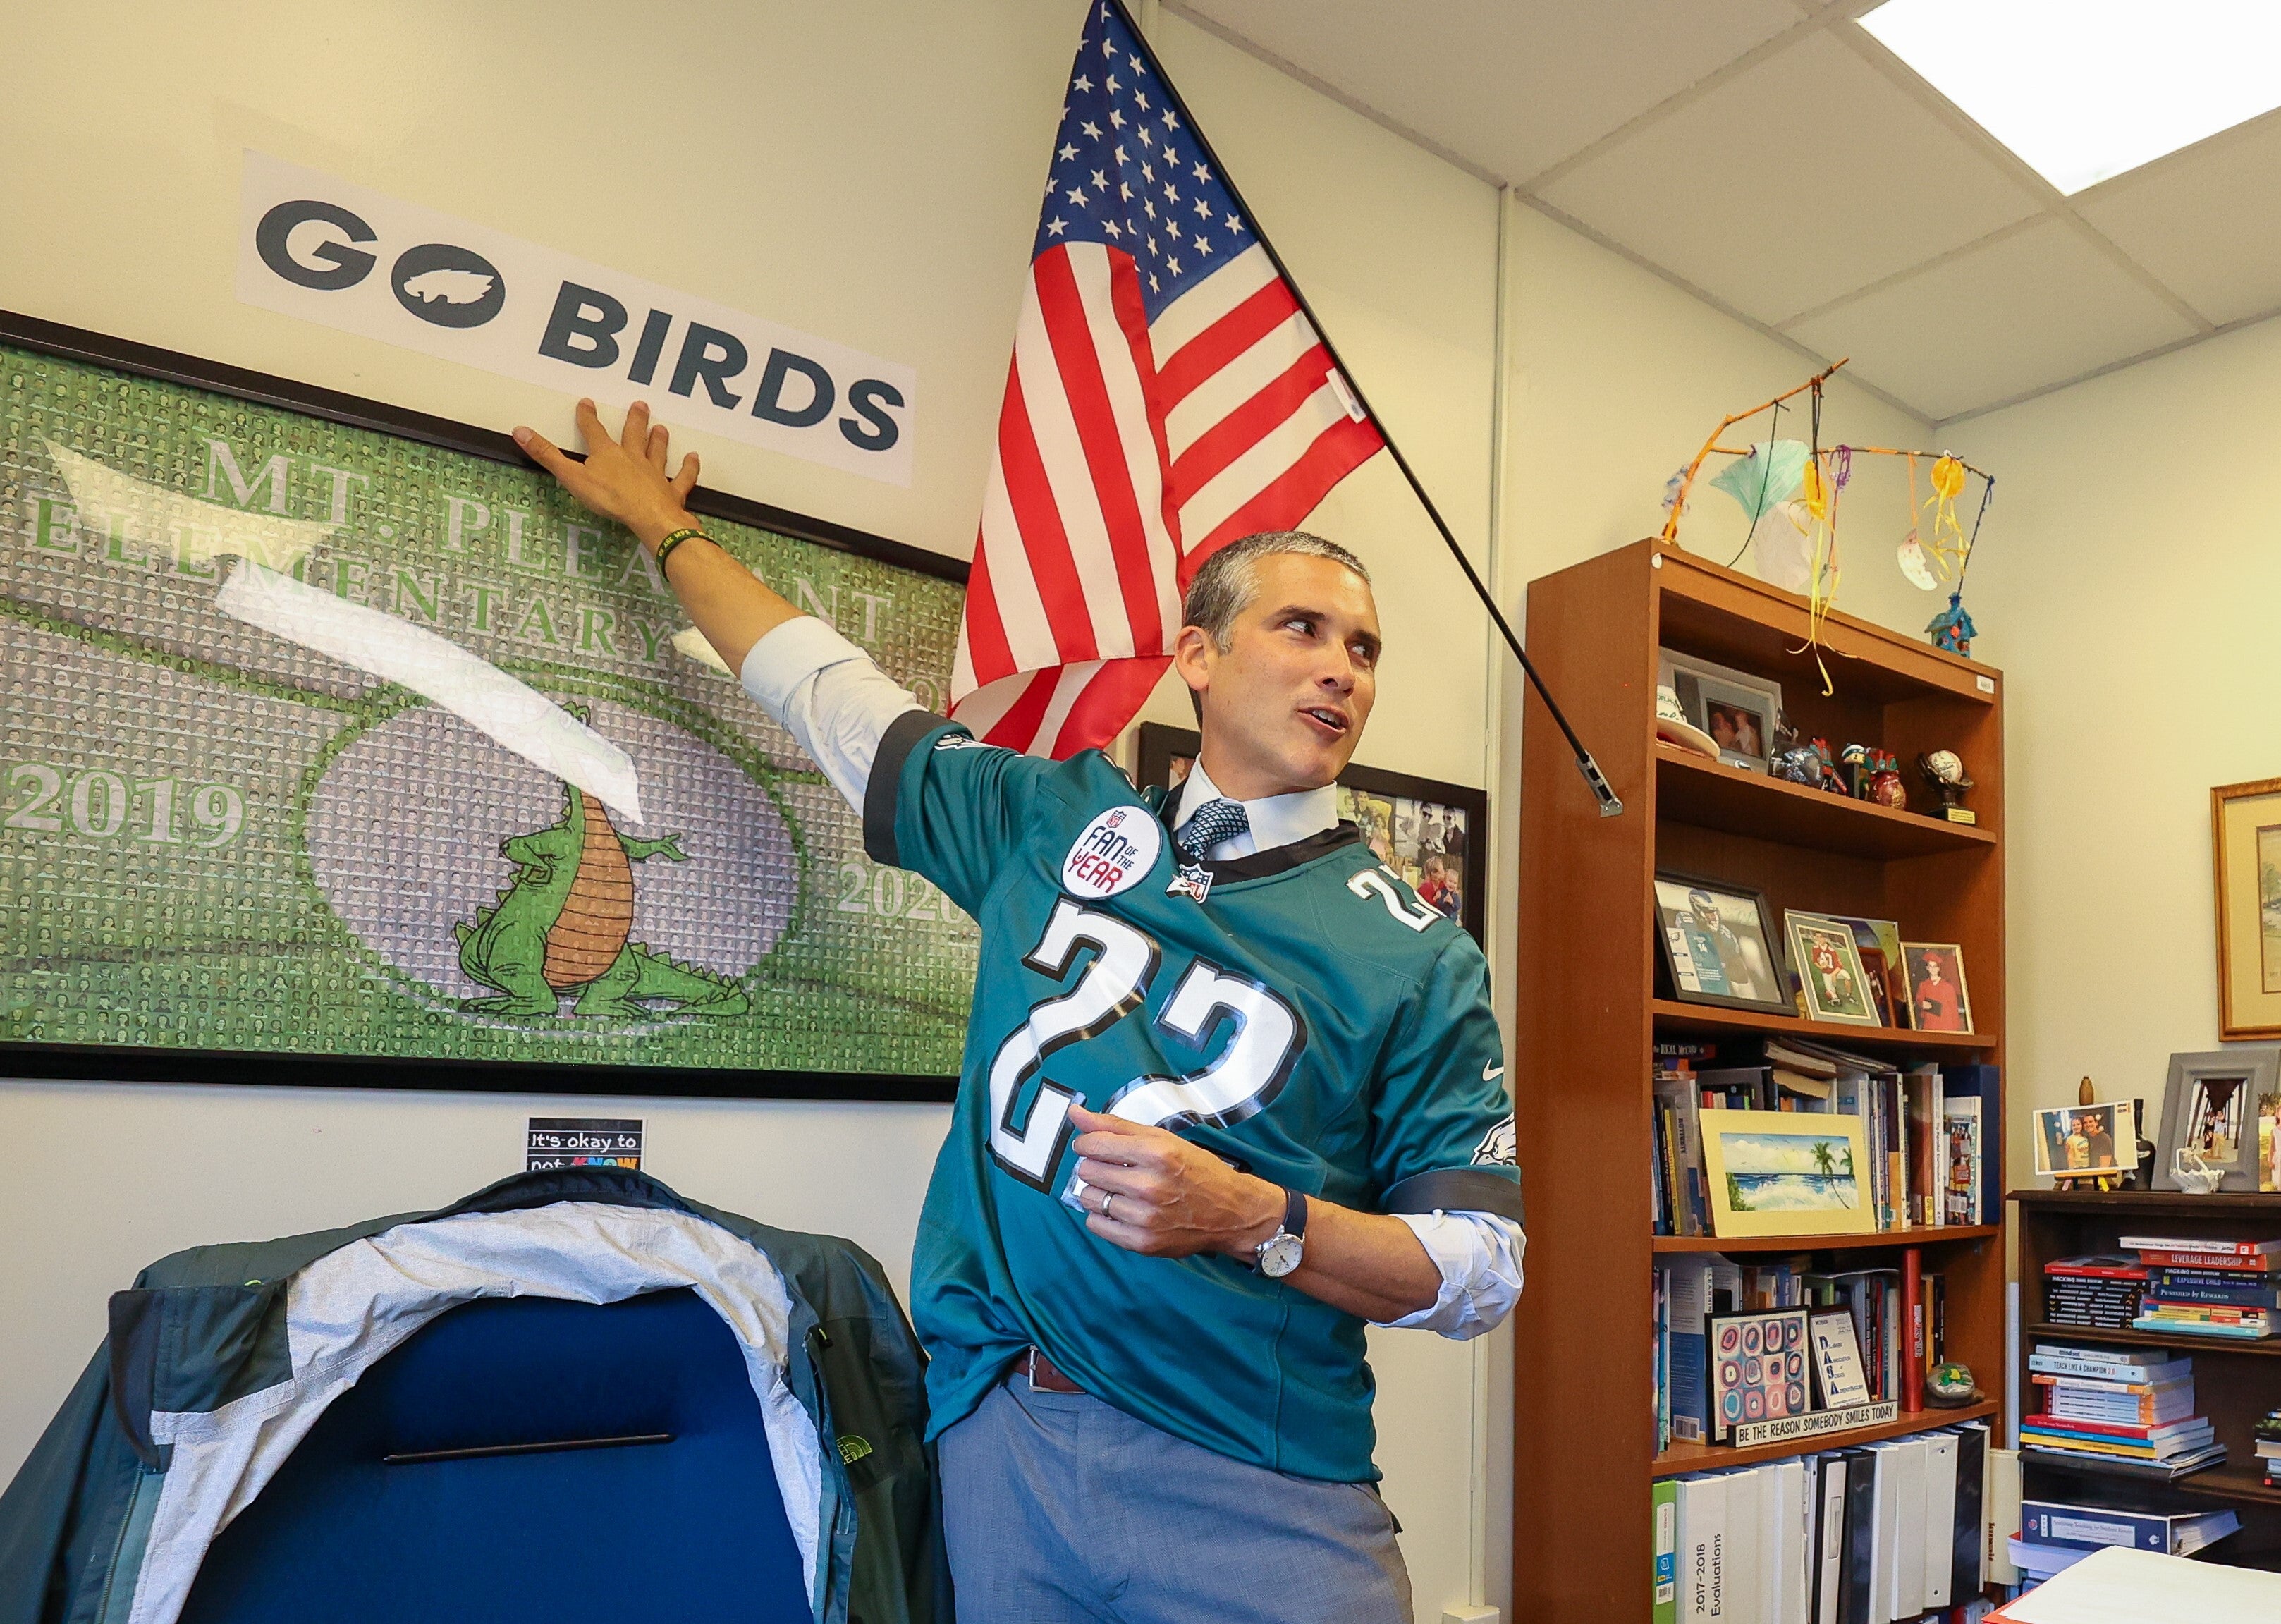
pixel 1879 943
pixel 1830 971
pixel 2245 836
pixel 2087 1142
pixel 1719 944
pixel 1433 835
pixel 2212 1104
pixel 1739 711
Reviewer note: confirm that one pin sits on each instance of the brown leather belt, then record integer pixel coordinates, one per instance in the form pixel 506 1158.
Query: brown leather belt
pixel 1044 1374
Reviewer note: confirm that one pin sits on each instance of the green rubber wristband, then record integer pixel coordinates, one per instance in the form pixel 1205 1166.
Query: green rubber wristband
pixel 665 548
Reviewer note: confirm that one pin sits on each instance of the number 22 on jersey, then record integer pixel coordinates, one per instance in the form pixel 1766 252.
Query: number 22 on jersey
pixel 1250 1071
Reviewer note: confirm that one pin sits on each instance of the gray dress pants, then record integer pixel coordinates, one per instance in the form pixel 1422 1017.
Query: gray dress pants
pixel 1062 1509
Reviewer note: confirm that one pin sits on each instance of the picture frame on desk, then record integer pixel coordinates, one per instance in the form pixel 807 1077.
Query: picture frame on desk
pixel 2086 1141
pixel 1786 1173
pixel 2211 1104
pixel 1719 946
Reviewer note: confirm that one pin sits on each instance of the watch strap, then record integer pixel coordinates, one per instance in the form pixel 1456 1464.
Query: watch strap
pixel 1295 1213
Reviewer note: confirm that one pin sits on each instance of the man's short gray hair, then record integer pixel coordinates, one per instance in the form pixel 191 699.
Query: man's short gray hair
pixel 1229 580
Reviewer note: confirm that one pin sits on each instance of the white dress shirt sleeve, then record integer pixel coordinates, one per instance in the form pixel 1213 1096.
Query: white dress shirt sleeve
pixel 830 695
pixel 1479 1255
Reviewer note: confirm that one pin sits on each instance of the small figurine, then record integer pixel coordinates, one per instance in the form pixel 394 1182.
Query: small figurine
pixel 1944 770
pixel 1829 778
pixel 1885 787
pixel 1792 761
pixel 1950 1386
pixel 1853 767
pixel 1952 629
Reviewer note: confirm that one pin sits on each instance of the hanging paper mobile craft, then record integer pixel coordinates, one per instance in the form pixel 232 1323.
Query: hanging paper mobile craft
pixel 1769 473
pixel 1914 567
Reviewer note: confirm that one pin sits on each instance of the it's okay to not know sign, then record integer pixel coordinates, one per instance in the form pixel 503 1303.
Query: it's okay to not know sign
pixel 316 247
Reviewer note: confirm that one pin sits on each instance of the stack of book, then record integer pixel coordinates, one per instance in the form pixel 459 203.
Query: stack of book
pixel 2269 1447
pixel 2099 1293
pixel 1922 1128
pixel 2057 1533
pixel 2198 1287
pixel 2126 1410
pixel 1889 1531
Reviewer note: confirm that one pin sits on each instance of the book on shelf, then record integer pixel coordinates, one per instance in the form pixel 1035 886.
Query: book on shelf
pixel 2216 1286
pixel 2254 1328
pixel 2205 1246
pixel 2093 1524
pixel 1884 1531
pixel 1689 1288
pixel 2100 1292
pixel 2154 1471
pixel 2117 1409
pixel 1930 1161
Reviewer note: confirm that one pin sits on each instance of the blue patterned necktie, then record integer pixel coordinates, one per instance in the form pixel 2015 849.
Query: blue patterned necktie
pixel 1211 824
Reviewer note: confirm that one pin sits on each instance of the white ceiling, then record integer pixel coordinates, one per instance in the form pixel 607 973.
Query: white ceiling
pixel 1773 158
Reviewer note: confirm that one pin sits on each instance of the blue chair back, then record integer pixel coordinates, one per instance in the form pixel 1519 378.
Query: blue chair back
pixel 689 1529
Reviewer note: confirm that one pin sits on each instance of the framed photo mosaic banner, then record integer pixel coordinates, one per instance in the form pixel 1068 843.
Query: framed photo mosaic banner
pixel 340 747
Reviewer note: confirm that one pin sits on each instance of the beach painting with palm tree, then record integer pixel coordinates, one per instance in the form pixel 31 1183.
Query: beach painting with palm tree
pixel 1787 1171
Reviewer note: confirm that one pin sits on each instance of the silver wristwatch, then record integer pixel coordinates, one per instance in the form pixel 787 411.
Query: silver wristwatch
pixel 1282 1251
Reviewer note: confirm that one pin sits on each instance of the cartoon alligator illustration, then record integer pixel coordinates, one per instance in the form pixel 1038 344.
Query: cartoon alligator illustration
pixel 562 925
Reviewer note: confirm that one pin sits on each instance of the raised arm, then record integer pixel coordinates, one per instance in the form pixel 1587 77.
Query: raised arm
pixel 625 479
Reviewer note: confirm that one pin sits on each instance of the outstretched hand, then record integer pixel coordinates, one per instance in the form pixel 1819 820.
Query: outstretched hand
pixel 624 478
pixel 1165 1197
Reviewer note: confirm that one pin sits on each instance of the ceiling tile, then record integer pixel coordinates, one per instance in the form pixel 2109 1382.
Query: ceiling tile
pixel 1512 89
pixel 2180 219
pixel 1796 183
pixel 2036 308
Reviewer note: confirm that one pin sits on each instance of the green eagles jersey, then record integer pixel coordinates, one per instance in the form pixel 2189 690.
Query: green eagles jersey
pixel 1308 1018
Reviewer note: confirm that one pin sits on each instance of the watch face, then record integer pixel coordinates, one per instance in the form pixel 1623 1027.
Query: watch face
pixel 1279 1255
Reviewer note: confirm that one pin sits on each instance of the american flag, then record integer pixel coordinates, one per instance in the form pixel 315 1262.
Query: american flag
pixel 1167 396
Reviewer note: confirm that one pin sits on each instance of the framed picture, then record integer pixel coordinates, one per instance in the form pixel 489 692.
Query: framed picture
pixel 2080 1141
pixel 1433 835
pixel 2245 833
pixel 1786 1173
pixel 263 820
pixel 1757 1369
pixel 1835 1345
pixel 1830 971
pixel 1739 711
pixel 1879 943
pixel 1719 944
pixel 2213 1105
pixel 1938 999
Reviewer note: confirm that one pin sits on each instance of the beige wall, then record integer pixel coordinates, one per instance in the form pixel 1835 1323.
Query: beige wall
pixel 867 173
pixel 2127 583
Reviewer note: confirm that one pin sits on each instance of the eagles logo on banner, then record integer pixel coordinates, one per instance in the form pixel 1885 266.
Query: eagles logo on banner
pixel 1167 396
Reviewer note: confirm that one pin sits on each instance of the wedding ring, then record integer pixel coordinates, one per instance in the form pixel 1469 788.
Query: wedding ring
pixel 1107 1196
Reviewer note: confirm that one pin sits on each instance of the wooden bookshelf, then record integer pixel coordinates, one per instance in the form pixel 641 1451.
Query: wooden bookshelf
pixel 1590 1009
pixel 1683 1457
pixel 2235 1382
pixel 1932 1235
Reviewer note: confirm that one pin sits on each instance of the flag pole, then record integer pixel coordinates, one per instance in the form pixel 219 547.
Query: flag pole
pixel 1602 791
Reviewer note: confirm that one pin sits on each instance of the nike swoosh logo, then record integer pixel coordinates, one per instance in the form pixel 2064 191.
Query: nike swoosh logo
pixel 1490 1073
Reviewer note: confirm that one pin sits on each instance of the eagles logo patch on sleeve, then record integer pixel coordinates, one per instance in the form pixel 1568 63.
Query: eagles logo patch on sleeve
pixel 1500 1147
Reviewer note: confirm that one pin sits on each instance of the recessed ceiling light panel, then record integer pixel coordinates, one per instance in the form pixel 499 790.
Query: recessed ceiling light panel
pixel 2085 90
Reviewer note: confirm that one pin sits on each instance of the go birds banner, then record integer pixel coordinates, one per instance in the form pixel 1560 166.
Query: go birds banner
pixel 321 249
pixel 322 741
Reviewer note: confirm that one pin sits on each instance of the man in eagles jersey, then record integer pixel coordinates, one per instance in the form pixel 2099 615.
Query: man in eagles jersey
pixel 1231 1091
